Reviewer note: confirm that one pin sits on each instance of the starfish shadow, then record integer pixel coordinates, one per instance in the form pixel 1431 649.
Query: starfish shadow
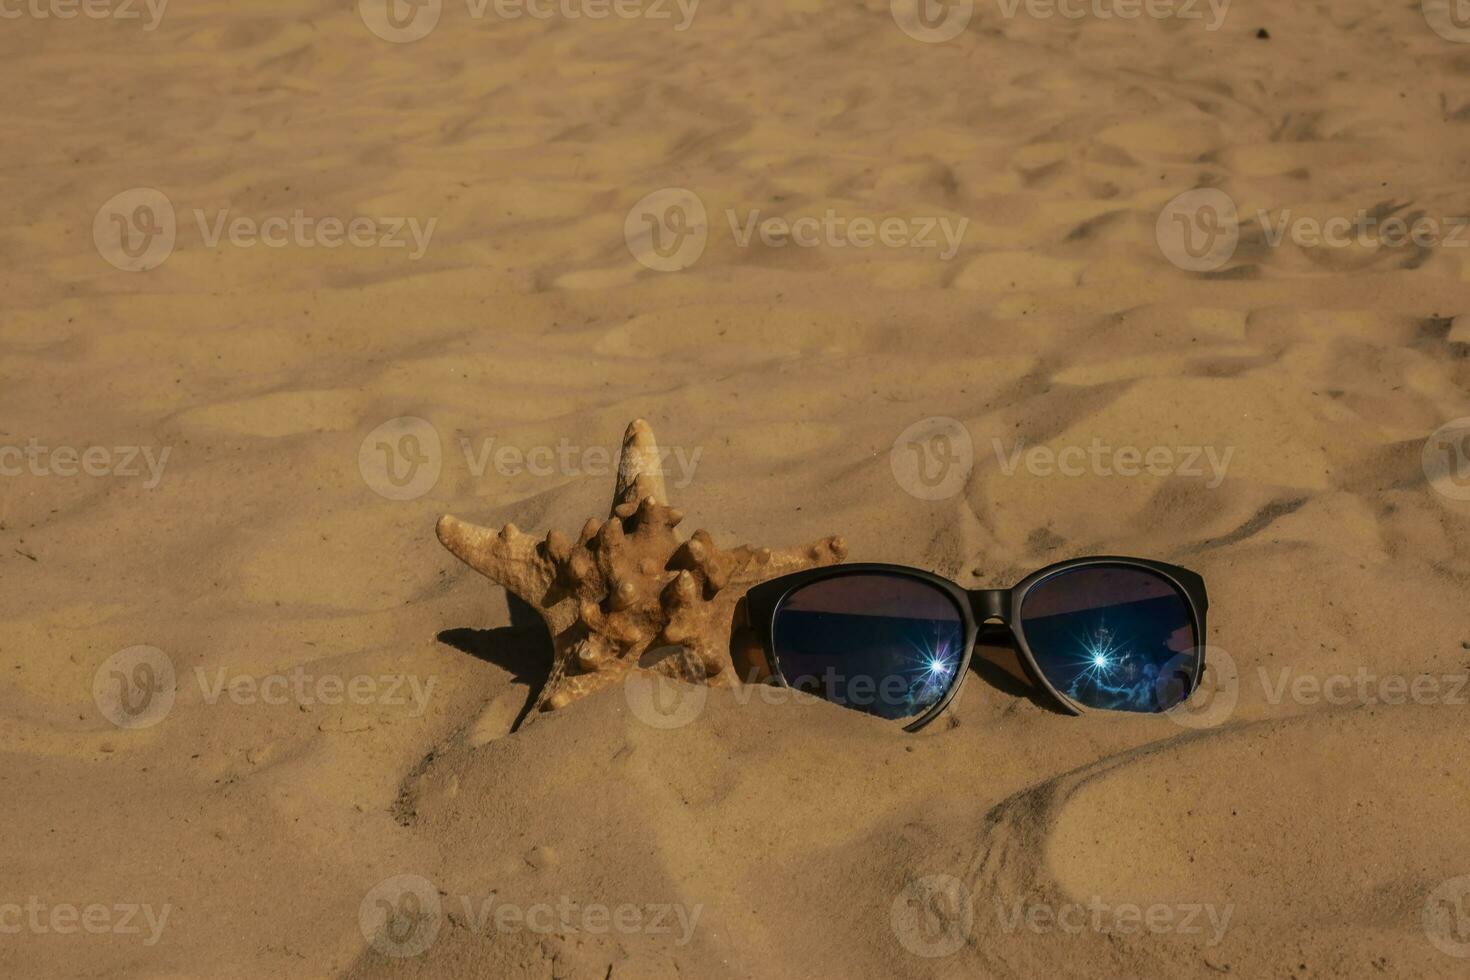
pixel 523 649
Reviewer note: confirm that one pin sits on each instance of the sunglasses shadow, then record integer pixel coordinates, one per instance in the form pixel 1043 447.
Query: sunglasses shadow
pixel 998 663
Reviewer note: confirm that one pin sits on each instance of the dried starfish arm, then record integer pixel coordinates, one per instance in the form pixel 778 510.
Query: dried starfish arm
pixel 525 567
pixel 640 467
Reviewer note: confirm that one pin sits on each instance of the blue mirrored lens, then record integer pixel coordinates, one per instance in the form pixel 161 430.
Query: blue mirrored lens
pixel 885 644
pixel 1112 636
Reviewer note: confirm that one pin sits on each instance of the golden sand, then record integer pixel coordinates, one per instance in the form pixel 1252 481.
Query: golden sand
pixel 341 691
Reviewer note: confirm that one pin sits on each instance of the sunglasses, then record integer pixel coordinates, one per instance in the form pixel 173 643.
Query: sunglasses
pixel 1117 634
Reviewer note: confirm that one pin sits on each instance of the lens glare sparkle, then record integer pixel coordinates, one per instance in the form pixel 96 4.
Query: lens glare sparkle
pixel 1106 636
pixel 889 645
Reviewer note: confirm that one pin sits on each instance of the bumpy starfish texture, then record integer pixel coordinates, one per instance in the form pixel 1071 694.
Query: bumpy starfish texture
pixel 629 586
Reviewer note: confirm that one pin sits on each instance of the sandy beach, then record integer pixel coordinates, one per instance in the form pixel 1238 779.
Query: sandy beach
pixel 978 287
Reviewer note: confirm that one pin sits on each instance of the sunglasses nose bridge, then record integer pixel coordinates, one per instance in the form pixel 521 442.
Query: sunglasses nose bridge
pixel 991 604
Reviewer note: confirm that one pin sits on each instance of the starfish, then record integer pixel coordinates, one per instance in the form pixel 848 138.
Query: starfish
pixel 629 585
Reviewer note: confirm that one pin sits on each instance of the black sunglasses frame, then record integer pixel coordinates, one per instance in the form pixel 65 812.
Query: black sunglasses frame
pixel 977 607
